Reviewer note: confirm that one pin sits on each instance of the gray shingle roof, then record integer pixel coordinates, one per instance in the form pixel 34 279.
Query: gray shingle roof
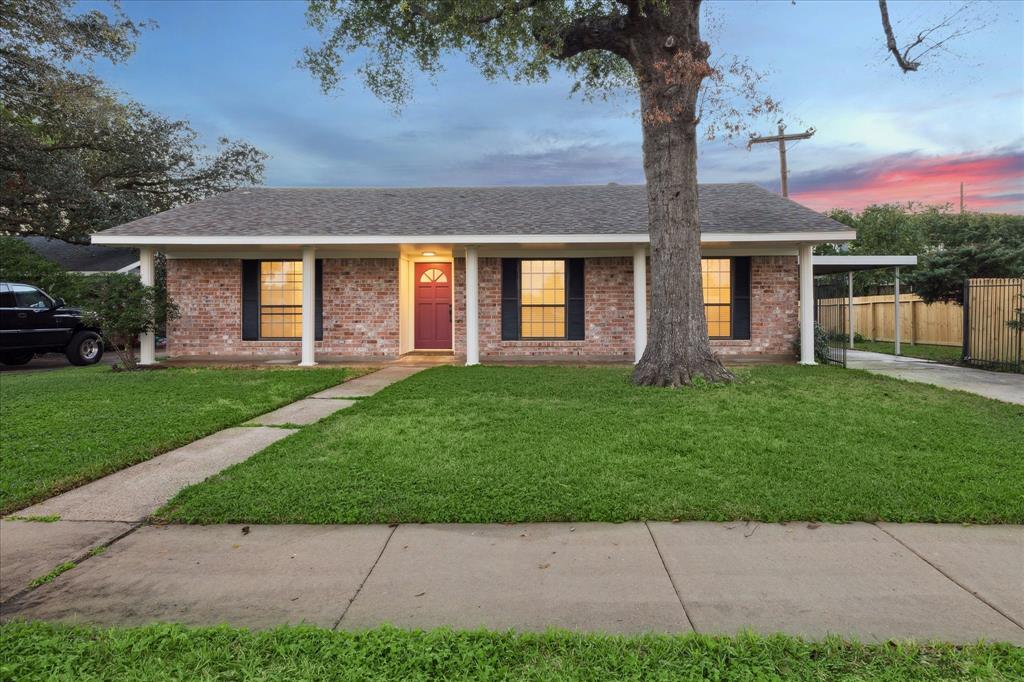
pixel 82 257
pixel 450 211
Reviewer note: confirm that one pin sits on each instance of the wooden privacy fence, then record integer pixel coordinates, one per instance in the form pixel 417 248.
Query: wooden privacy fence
pixel 874 318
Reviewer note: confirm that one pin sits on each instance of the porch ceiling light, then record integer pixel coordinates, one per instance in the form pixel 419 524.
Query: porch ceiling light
pixel 429 253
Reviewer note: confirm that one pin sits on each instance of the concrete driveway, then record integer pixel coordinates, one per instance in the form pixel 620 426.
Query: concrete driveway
pixel 998 385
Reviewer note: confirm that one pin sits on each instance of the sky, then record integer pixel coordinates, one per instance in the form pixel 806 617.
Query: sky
pixel 230 69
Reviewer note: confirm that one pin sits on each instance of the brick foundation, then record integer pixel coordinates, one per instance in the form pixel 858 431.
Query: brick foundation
pixel 361 311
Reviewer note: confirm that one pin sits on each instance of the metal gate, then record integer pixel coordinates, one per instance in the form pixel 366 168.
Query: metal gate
pixel 992 323
pixel 830 330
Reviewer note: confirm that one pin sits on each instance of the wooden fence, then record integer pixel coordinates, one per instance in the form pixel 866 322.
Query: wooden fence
pixel 874 318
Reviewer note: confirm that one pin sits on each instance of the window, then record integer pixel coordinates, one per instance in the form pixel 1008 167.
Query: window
pixel 30 297
pixel 281 299
pixel 542 299
pixel 716 276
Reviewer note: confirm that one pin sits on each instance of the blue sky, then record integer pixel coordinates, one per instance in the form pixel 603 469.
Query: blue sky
pixel 230 69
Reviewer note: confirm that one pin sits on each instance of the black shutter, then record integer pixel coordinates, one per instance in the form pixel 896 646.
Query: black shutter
pixel 250 300
pixel 741 297
pixel 319 299
pixel 576 324
pixel 509 299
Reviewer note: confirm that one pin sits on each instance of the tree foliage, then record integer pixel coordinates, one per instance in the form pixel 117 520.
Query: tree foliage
pixel 76 158
pixel 122 308
pixel 951 247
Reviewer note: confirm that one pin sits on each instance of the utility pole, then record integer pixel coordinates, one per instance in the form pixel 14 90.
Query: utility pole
pixel 782 138
pixel 961 198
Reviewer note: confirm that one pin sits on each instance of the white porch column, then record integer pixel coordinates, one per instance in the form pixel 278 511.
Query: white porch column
pixel 806 305
pixel 639 301
pixel 472 313
pixel 147 273
pixel 308 307
pixel 896 309
pixel 849 305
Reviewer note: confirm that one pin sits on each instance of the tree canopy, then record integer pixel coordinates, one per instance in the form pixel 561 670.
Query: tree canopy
pixel 74 156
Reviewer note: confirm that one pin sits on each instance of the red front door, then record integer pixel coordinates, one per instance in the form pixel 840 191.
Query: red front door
pixel 433 305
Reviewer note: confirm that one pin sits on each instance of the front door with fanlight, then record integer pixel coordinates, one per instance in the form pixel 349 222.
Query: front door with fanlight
pixel 433 306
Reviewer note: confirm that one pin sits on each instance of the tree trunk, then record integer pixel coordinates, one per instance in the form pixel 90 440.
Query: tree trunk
pixel 670 70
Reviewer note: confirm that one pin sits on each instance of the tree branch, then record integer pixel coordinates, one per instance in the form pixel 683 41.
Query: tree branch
pixel 592 33
pixel 890 41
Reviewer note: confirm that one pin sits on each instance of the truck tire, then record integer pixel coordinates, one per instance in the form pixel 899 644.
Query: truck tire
pixel 16 357
pixel 86 348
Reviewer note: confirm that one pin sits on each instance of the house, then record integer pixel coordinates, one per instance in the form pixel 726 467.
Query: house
pixel 486 273
pixel 86 259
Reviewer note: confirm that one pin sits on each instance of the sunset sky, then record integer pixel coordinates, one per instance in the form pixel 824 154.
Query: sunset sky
pixel 230 69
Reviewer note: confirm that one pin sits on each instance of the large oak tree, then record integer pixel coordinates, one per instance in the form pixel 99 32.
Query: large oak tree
pixel 654 46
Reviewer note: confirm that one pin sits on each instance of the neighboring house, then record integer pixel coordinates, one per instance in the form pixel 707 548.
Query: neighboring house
pixel 85 258
pixel 487 273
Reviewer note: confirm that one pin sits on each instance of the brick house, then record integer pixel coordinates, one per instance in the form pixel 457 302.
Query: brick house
pixel 485 273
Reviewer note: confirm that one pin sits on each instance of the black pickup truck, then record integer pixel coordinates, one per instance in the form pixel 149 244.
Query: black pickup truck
pixel 32 323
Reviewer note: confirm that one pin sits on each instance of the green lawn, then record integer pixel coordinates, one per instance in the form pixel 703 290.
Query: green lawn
pixel 61 428
pixel 507 444
pixel 40 651
pixel 947 354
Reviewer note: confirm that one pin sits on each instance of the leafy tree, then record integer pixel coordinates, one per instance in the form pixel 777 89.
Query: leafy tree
pixel 122 308
pixel 968 245
pixel 74 158
pixel 653 46
pixel 19 263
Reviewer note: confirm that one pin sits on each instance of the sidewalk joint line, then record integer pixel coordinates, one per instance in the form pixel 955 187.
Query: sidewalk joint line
pixel 17 597
pixel 365 578
pixel 671 580
pixel 951 579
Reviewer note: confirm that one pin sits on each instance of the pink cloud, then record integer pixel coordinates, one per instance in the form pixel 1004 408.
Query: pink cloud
pixel 993 182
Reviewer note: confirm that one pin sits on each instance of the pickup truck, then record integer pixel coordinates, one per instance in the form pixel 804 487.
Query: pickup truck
pixel 32 323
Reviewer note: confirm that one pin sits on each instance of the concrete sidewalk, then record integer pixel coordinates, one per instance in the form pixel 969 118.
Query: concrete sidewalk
pixel 997 385
pixel 872 582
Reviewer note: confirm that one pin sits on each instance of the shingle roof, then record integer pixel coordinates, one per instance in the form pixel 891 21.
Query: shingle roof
pixel 450 211
pixel 82 257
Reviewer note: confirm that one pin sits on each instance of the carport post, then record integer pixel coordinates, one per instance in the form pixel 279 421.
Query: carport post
pixel 849 305
pixel 147 274
pixel 896 308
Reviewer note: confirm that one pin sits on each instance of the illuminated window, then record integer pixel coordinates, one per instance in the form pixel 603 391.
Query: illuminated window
pixel 542 299
pixel 716 275
pixel 281 299
pixel 433 275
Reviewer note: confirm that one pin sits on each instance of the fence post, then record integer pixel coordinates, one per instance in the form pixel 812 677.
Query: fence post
pixel 966 350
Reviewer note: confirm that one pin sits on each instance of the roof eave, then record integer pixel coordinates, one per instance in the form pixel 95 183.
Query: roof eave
pixel 332 240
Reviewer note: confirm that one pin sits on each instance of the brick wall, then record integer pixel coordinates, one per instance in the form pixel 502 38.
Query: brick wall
pixel 361 311
pixel 360 300
pixel 609 312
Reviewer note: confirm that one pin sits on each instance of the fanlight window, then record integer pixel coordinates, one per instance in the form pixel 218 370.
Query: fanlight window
pixel 434 275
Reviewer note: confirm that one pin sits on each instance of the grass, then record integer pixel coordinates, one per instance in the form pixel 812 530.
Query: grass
pixel 40 651
pixel 945 354
pixel 63 428
pixel 509 444
pixel 52 575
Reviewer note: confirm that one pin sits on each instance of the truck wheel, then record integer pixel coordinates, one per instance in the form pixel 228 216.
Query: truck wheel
pixel 16 357
pixel 86 348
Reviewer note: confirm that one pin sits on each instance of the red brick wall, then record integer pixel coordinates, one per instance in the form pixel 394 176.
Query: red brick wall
pixel 360 299
pixel 361 302
pixel 609 312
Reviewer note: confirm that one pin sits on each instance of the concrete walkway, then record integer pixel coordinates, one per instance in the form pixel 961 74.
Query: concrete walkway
pixel 99 512
pixel 872 582
pixel 998 385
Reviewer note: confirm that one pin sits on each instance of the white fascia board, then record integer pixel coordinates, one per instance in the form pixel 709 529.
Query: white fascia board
pixel 865 260
pixel 714 237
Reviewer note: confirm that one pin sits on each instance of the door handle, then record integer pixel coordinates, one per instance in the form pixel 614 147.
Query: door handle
pixel 22 314
pixel 449 312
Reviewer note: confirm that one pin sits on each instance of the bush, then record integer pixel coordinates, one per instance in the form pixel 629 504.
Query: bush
pixel 821 339
pixel 19 263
